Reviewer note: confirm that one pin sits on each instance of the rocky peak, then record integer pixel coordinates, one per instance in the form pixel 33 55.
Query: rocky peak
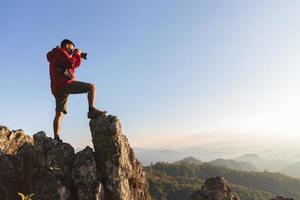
pixel 46 169
pixel 216 188
pixel 11 141
pixel 122 174
pixel 42 168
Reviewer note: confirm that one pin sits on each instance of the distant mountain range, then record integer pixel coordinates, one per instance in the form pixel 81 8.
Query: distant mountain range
pixel 233 164
pixel 148 156
pixel 230 164
pixel 263 164
pixel 246 162
pixel 292 170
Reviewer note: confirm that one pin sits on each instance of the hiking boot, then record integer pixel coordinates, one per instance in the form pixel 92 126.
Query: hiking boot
pixel 95 113
pixel 58 140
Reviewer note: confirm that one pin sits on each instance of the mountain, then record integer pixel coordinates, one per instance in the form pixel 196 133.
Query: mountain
pixel 263 164
pixel 47 169
pixel 148 156
pixel 190 160
pixel 232 164
pixel 292 170
pixel 292 154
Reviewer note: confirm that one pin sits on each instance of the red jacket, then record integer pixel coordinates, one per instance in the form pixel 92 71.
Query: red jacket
pixel 58 58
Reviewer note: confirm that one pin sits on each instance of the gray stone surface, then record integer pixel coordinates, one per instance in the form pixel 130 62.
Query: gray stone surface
pixel 84 174
pixel 43 167
pixel 123 176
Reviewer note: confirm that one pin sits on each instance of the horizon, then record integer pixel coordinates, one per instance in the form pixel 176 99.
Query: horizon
pixel 177 74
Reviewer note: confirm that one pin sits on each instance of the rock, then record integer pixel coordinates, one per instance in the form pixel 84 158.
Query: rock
pixel 281 198
pixel 43 168
pixel 85 176
pixel 51 170
pixel 122 174
pixel 215 188
pixel 11 141
pixel 8 177
pixel 55 162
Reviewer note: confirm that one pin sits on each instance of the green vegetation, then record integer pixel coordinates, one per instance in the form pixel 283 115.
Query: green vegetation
pixel 26 197
pixel 54 168
pixel 163 187
pixel 176 180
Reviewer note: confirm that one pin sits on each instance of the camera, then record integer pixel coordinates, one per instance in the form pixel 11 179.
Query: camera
pixel 83 55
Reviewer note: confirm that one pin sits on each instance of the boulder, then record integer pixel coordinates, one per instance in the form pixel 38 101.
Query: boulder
pixel 215 188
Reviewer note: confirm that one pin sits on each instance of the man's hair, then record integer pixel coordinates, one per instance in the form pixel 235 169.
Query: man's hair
pixel 66 41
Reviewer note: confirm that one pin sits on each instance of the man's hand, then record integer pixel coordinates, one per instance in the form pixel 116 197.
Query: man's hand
pixel 77 51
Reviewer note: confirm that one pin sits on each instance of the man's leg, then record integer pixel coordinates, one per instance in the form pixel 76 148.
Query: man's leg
pixel 93 112
pixel 61 109
pixel 92 95
pixel 57 123
pixel 78 87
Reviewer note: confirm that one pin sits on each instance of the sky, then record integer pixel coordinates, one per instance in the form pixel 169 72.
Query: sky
pixel 168 69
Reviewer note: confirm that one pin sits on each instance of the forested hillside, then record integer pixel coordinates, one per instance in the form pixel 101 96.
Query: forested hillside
pixel 176 180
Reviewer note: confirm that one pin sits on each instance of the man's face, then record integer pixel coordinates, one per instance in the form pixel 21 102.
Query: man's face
pixel 69 48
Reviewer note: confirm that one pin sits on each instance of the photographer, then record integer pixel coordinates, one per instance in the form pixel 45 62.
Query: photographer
pixel 63 62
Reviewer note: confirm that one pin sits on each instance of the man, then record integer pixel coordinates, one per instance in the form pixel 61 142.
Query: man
pixel 63 62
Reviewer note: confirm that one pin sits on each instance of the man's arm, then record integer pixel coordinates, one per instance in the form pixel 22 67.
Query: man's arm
pixel 69 61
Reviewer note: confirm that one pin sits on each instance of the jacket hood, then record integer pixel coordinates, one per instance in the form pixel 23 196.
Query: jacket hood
pixel 51 54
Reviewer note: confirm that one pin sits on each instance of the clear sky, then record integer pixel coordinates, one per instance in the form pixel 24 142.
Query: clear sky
pixel 166 68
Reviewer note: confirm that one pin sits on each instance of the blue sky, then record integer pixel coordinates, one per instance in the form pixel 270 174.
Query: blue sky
pixel 166 68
